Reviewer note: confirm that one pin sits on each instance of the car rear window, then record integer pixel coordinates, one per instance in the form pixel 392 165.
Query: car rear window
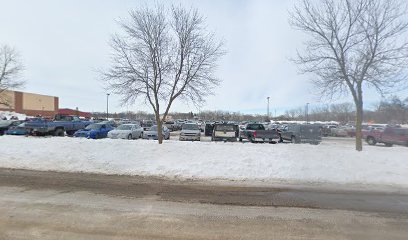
pixel 255 127
pixel 225 128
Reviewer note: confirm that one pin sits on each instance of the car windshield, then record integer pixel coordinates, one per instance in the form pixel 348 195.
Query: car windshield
pixel 93 127
pixel 153 129
pixel 224 128
pixel 190 127
pixel 124 127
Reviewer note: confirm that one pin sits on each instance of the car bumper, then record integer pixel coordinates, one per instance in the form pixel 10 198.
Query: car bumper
pixel 152 137
pixel 189 138
pixel 225 139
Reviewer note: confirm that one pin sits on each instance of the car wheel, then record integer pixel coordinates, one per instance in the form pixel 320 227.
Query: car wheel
pixel 371 141
pixel 129 137
pixel 59 132
pixel 240 139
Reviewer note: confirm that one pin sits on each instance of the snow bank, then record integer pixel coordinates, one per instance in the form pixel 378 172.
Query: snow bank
pixel 9 115
pixel 325 163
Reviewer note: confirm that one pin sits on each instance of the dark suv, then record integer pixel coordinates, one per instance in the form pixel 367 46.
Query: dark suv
pixel 298 133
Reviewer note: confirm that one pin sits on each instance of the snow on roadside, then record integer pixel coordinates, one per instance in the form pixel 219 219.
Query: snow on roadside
pixel 325 163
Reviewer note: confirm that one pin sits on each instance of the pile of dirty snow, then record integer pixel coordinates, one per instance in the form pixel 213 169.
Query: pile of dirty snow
pixel 9 115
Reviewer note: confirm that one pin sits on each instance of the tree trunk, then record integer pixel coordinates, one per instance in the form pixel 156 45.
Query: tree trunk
pixel 159 128
pixel 359 120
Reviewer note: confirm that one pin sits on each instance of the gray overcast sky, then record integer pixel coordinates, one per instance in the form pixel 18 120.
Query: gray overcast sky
pixel 63 42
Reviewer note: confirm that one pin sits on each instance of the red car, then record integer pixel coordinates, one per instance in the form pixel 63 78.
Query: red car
pixel 389 136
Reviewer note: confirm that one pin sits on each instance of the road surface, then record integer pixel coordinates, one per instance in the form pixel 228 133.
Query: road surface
pixel 49 205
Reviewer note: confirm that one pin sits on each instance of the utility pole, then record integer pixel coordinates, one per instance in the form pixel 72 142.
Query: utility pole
pixel 107 106
pixel 267 111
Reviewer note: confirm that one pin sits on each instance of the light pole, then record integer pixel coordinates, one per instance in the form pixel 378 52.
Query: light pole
pixel 107 106
pixel 267 111
pixel 307 112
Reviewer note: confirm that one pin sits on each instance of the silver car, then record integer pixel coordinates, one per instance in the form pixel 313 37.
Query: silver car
pixel 152 133
pixel 127 131
pixel 190 131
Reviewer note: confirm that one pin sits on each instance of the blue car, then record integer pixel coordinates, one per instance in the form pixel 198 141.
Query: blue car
pixel 94 131
pixel 17 130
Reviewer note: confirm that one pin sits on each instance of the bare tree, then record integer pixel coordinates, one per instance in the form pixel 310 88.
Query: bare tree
pixel 10 70
pixel 353 44
pixel 163 55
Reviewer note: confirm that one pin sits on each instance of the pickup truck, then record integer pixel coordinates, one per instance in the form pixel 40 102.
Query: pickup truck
pixel 298 133
pixel 57 127
pixel 255 132
pixel 389 136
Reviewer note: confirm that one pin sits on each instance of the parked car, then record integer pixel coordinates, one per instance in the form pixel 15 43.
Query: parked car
pixel 57 127
pixel 327 130
pixel 152 133
pixel 17 130
pixel 6 124
pixel 255 132
pixel 172 126
pixel 126 131
pixel 209 128
pixel 225 132
pixel 300 133
pixel 341 131
pixel 94 131
pixel 190 131
pixel 146 124
pixel 389 136
pixel 110 123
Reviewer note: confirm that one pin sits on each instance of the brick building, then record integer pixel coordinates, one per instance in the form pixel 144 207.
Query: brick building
pixel 30 104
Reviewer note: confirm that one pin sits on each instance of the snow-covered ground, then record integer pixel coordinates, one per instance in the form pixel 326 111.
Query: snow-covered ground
pixel 329 162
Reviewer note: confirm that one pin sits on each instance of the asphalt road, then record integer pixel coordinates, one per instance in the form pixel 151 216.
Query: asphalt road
pixel 49 205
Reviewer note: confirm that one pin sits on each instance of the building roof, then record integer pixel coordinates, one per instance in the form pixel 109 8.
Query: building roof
pixel 68 111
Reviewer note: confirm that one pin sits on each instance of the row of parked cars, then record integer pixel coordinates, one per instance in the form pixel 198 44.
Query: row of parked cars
pixel 192 130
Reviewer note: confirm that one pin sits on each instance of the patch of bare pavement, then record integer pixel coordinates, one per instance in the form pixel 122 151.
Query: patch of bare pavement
pixel 51 205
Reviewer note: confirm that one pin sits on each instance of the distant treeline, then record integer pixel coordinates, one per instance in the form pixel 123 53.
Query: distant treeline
pixel 392 111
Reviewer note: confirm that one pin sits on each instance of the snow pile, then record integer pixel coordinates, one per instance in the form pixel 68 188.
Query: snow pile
pixel 325 163
pixel 9 115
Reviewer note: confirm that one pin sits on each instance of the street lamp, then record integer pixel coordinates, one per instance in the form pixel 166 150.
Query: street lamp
pixel 307 112
pixel 107 106
pixel 267 111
